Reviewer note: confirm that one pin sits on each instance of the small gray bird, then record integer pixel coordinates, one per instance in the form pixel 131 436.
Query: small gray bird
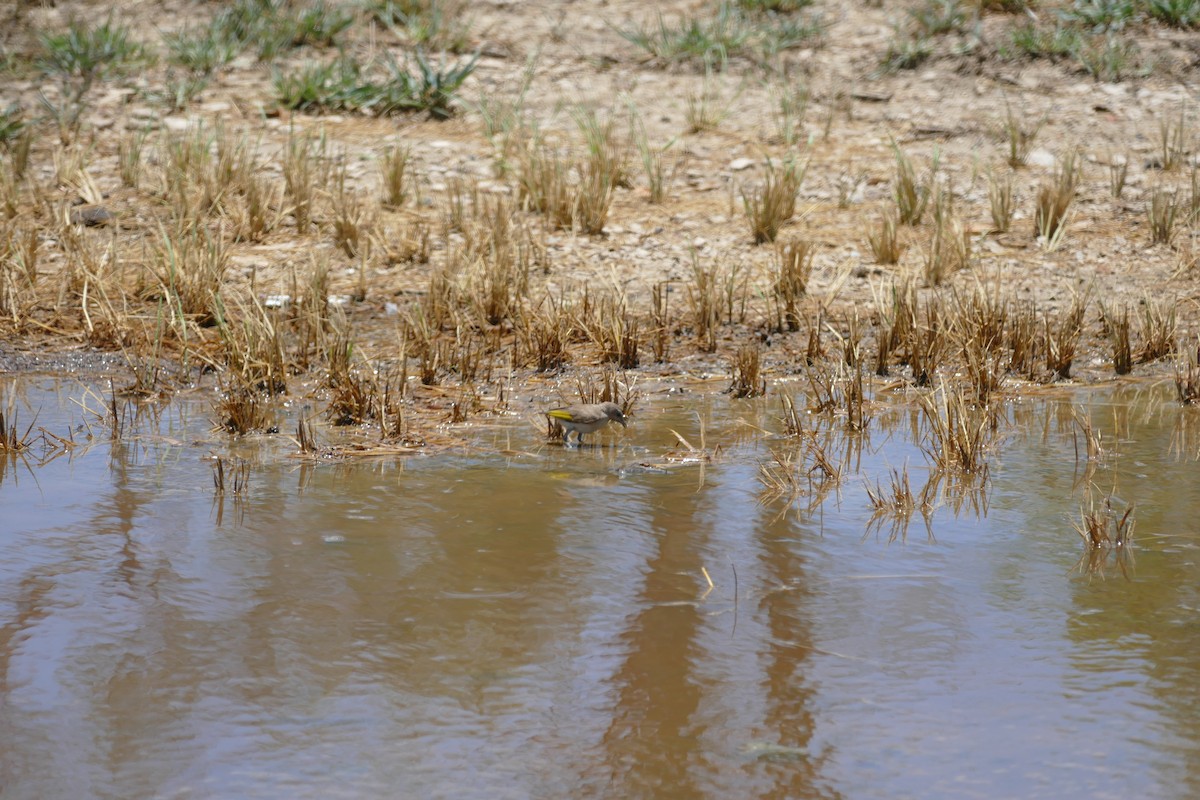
pixel 586 418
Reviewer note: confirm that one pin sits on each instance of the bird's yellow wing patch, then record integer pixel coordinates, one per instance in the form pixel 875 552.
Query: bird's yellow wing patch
pixel 559 413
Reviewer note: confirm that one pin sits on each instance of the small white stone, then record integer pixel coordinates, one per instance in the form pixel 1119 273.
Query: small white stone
pixel 1041 158
pixel 739 164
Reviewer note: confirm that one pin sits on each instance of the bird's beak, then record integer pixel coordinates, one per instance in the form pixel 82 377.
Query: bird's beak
pixel 624 424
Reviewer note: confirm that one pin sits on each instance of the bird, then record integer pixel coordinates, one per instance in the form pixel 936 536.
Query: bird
pixel 586 418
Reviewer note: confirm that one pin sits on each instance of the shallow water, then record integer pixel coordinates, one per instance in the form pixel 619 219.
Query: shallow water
pixel 524 620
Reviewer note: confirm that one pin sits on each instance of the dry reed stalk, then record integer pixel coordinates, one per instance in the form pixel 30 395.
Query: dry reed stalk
pixel 792 424
pixel 10 440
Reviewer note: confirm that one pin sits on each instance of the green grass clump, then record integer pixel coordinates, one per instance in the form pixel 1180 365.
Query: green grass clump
pixel 88 54
pixel 202 51
pixel 1111 57
pixel 906 52
pixel 12 123
pixel 773 6
pixel 1107 55
pixel 78 58
pixel 714 39
pixel 1176 13
pixel 1053 42
pixel 271 27
pixel 936 17
pixel 432 24
pixel 1102 15
pixel 346 85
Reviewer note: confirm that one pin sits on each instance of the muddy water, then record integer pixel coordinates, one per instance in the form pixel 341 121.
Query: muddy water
pixel 524 621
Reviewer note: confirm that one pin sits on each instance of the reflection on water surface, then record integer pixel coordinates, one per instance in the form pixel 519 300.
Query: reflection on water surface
pixel 517 626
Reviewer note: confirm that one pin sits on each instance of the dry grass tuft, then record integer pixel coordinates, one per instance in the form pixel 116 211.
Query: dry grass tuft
pixel 1018 136
pixel 792 268
pixel 1118 334
pixel 613 388
pixel 350 216
pixel 547 332
pixel 393 172
pixel 613 330
pixel 774 203
pixel 190 265
pixel 950 248
pixel 1187 377
pixel 885 242
pixel 1158 329
pixel 897 502
pixel 1023 340
pixel 1062 340
pixel 239 473
pixel 242 409
pixel 1103 531
pixel 1054 200
pixel 926 342
pixel 959 434
pixel 910 193
pixel 748 380
pixel 1162 212
pixel 11 441
pixel 1001 200
pixel 704 300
